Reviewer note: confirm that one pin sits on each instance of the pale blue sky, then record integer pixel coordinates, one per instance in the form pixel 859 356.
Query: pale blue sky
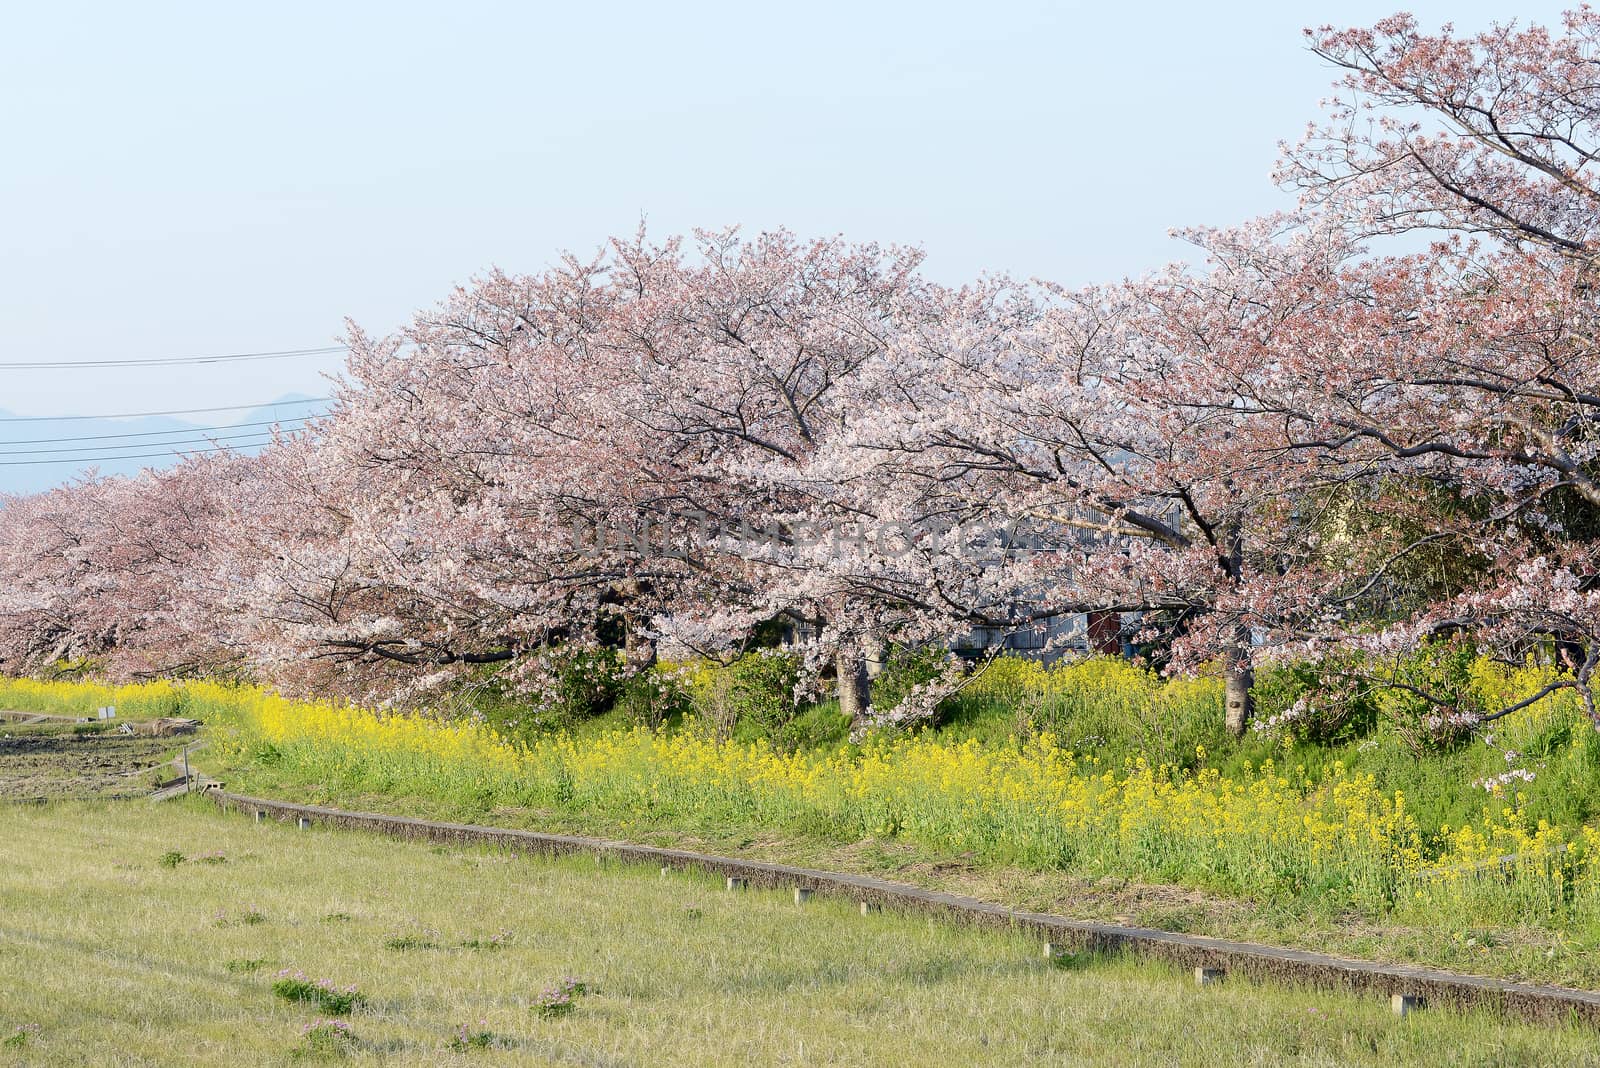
pixel 221 178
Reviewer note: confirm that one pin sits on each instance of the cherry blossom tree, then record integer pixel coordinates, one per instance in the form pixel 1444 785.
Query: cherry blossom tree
pixel 105 568
pixel 685 441
pixel 1485 379
pixel 614 438
pixel 1117 426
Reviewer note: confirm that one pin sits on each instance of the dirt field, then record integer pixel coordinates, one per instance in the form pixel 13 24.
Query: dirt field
pixel 60 759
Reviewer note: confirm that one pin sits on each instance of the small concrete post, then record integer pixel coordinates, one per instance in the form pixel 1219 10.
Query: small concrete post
pixel 665 871
pixel 1404 1004
pixel 736 883
pixel 802 894
pixel 869 907
pixel 1057 951
pixel 261 817
pixel 303 823
pixel 1207 976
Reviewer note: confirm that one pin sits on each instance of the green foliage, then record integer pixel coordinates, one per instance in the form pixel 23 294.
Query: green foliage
pixel 1102 705
pixel 561 688
pixel 468 1037
pixel 249 917
pixel 560 997
pixel 654 699
pixel 1429 697
pixel 412 940
pixel 905 669
pixel 20 1036
pixel 818 726
pixel 1382 528
pixel 1319 701
pixel 754 696
pixel 325 1038
pixel 1541 762
pixel 322 993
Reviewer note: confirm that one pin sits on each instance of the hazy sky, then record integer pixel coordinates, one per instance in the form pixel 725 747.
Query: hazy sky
pixel 186 180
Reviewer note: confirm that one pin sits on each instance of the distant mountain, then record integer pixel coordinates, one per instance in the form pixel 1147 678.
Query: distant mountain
pixel 36 454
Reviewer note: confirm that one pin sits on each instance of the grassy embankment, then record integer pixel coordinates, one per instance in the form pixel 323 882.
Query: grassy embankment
pixel 158 941
pixel 1094 790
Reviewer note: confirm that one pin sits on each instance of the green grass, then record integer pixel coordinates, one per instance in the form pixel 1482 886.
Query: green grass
pixel 1484 924
pixel 116 959
pixel 1530 926
pixel 1519 949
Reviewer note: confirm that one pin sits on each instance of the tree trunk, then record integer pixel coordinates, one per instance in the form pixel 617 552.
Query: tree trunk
pixel 1238 676
pixel 638 649
pixel 851 668
pixel 1238 671
pixel 875 658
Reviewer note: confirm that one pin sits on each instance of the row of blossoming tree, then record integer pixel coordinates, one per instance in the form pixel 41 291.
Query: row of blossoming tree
pixel 1372 422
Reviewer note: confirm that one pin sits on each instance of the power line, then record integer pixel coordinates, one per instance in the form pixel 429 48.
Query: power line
pixel 149 415
pixel 175 445
pixel 139 456
pixel 173 361
pixel 158 433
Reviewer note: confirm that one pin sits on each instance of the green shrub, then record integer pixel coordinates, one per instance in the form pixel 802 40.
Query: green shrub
pixel 1323 702
pixel 754 696
pixel 330 998
pixel 1429 697
pixel 1102 705
pixel 905 669
pixel 20 1036
pixel 654 699
pixel 326 1038
pixel 558 688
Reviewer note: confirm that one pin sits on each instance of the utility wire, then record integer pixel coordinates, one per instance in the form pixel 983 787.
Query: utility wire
pixel 138 456
pixel 147 415
pixel 159 433
pixel 173 361
pixel 136 445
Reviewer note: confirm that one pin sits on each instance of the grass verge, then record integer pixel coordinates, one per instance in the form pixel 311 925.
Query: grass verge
pixel 1525 952
pixel 118 957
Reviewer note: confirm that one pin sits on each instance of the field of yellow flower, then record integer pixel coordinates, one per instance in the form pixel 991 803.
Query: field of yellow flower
pixel 1261 831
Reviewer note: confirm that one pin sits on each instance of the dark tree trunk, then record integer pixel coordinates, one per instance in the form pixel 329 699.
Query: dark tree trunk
pixel 638 648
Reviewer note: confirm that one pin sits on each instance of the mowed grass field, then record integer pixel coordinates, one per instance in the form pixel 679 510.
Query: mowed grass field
pixel 114 951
